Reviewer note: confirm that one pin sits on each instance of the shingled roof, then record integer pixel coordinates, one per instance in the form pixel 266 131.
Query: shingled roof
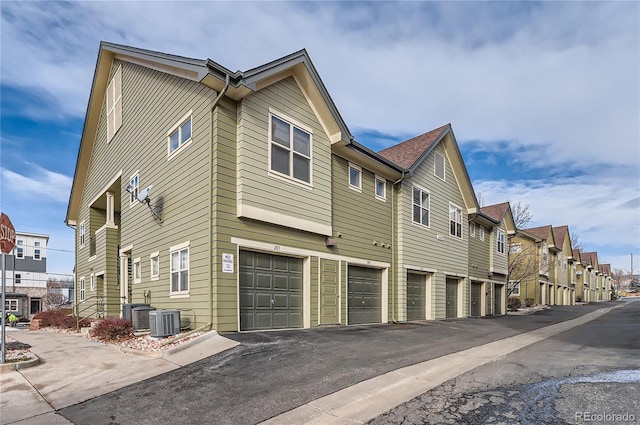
pixel 559 233
pixel 589 257
pixel 496 211
pixel 406 153
pixel 541 232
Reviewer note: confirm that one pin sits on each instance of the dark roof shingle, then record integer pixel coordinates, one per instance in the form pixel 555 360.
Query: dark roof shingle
pixel 496 211
pixel 406 153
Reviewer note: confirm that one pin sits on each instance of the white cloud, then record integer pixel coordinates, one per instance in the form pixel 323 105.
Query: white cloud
pixel 41 183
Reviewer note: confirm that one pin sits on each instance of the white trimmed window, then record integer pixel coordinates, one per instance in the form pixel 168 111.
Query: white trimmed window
pixel 472 229
pixel 19 249
pixel 114 104
pixel 515 248
pixel 137 271
pixel 439 165
pixel 420 206
pixel 92 283
pixel 355 177
pixel 455 221
pixel 381 188
pixel 11 305
pixel 154 264
pixel 500 241
pixel 290 149
pixel 36 254
pixel 17 278
pixel 481 233
pixel 179 268
pixel 82 289
pixel 180 134
pixel 134 188
pixel 516 289
pixel 81 232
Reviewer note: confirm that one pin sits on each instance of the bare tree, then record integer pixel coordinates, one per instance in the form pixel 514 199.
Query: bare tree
pixel 521 215
pixel 55 296
pixel 617 277
pixel 575 241
pixel 525 266
pixel 480 198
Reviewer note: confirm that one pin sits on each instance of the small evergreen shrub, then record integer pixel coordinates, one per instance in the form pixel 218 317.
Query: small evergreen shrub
pixel 112 329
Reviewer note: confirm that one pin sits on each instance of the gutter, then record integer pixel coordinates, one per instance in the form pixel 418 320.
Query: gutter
pixel 210 225
pixel 393 246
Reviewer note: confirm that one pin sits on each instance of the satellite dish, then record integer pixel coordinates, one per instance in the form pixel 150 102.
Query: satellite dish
pixel 144 193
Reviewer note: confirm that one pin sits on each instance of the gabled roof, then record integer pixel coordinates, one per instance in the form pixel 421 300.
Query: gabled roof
pixel 500 213
pixel 605 269
pixel 590 258
pixel 560 234
pixel 236 85
pixel 544 233
pixel 407 153
pixel 411 153
pixel 577 255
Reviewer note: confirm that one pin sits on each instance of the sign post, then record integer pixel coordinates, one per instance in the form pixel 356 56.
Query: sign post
pixel 7 242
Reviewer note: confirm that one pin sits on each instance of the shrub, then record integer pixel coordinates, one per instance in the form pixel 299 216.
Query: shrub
pixel 528 302
pixel 112 329
pixel 60 319
pixel 513 304
pixel 578 299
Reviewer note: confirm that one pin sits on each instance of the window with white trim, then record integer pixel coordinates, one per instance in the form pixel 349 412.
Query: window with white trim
pixel 11 305
pixel 154 264
pixel 455 221
pixel 19 249
pixel 180 134
pixel 82 289
pixel 472 229
pixel 92 283
pixel 134 188
pixel 17 278
pixel 516 289
pixel 439 165
pixel 515 248
pixel 481 233
pixel 36 254
pixel 81 232
pixel 381 188
pixel 500 242
pixel 355 177
pixel 179 268
pixel 420 206
pixel 290 150
pixel 137 271
pixel 114 104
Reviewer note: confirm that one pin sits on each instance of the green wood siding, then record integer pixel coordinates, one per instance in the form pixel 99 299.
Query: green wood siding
pixel 256 187
pixel 479 254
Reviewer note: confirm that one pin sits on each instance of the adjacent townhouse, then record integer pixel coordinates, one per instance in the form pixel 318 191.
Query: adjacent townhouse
pixel 591 266
pixel 26 275
pixel 607 277
pixel 565 279
pixel 578 269
pixel 529 267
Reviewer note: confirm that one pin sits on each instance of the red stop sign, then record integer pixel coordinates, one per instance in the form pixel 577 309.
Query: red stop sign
pixel 7 234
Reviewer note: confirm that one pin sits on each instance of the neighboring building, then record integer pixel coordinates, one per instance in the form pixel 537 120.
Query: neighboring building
pixel 591 267
pixel 607 276
pixel 578 270
pixel 434 201
pixel 26 275
pixel 565 279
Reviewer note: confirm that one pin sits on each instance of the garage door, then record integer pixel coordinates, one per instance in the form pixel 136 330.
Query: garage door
pixel 364 295
pixel 497 300
pixel 270 291
pixel 452 298
pixel 476 299
pixel 416 296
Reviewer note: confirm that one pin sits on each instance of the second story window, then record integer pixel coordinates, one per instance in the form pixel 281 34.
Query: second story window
pixel 134 187
pixel 290 150
pixel 19 249
pixel 114 104
pixel 420 206
pixel 381 188
pixel 18 278
pixel 355 177
pixel 472 229
pixel 36 254
pixel 439 164
pixel 515 248
pixel 481 233
pixel 81 233
pixel 500 241
pixel 180 134
pixel 455 221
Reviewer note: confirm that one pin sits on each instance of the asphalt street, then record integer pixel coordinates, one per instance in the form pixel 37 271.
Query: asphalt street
pixel 589 374
pixel 274 372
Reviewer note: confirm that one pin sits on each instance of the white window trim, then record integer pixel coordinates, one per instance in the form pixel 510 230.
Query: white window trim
pixel 472 229
pixel 82 295
pixel 177 248
pixel 112 112
pixel 11 301
pixel 482 233
pixel 436 156
pixel 176 127
pixel 82 230
pixel 359 170
pixel 92 282
pixel 514 246
pixel 451 204
pixel 296 123
pixel 39 252
pixel 137 272
pixel 514 292
pixel 17 278
pixel 384 181
pixel 504 242
pixel 152 256
pixel 19 250
pixel 428 226
pixel 133 198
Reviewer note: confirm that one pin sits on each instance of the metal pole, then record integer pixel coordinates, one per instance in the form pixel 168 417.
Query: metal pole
pixel 4 284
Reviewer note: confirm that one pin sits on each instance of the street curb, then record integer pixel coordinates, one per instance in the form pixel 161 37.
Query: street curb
pixel 33 361
pixel 163 354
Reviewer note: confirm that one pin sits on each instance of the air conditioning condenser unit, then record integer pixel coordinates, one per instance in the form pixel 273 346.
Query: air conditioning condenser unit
pixel 163 323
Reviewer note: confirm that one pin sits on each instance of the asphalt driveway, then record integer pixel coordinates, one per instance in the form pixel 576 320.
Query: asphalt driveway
pixel 273 372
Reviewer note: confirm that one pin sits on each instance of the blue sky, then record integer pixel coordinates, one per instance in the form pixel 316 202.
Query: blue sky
pixel 543 97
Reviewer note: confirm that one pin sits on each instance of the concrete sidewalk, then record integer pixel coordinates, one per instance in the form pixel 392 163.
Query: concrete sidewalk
pixel 73 369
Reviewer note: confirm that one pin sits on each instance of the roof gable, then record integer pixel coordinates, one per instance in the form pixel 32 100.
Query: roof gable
pixel 407 153
pixel 543 232
pixel 501 213
pixel 562 238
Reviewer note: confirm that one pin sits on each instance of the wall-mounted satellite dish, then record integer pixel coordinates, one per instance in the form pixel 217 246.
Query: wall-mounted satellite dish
pixel 143 195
